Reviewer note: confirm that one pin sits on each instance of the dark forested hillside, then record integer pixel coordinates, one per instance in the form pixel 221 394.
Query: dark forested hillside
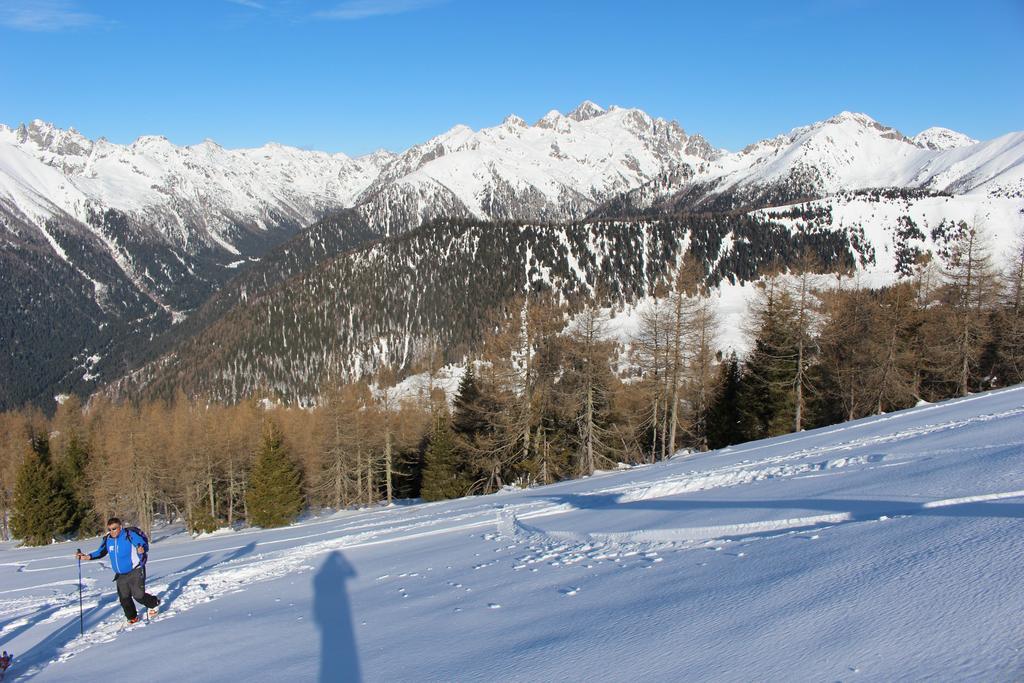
pixel 81 302
pixel 124 294
pixel 338 232
pixel 428 293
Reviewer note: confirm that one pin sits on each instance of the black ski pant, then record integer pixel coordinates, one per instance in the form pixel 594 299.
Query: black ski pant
pixel 132 587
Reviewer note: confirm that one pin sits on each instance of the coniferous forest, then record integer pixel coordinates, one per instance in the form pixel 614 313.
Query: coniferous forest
pixel 547 395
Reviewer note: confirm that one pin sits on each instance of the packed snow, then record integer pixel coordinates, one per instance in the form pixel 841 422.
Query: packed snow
pixel 884 549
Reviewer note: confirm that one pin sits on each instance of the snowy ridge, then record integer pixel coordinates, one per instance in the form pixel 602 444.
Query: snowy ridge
pixel 197 192
pixel 940 138
pixel 862 532
pixel 853 151
pixel 560 168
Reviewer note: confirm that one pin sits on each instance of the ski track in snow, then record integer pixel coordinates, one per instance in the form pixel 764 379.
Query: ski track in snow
pixel 538 541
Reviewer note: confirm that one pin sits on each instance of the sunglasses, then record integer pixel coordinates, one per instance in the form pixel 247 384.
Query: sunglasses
pixel 113 528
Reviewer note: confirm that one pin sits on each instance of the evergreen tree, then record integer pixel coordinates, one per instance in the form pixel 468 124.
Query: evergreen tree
pixel 442 478
pixel 476 418
pixel 73 469
pixel 468 416
pixel 274 497
pixel 724 418
pixel 770 373
pixel 42 506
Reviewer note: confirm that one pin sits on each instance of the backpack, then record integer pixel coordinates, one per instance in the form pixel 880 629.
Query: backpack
pixel 145 543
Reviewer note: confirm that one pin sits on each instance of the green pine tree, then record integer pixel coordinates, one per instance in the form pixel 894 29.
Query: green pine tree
pixel 441 476
pixel 469 415
pixel 42 508
pixel 274 497
pixel 724 416
pixel 72 470
pixel 766 392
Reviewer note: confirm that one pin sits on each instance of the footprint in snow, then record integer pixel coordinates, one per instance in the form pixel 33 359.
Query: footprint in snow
pixel 493 605
pixel 572 590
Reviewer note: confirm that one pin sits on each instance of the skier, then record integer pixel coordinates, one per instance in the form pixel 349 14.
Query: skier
pixel 127 549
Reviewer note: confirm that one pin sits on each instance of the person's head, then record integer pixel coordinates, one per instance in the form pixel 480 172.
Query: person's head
pixel 114 526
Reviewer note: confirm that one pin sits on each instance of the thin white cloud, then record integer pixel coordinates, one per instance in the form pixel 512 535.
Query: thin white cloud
pixel 44 15
pixel 363 9
pixel 249 3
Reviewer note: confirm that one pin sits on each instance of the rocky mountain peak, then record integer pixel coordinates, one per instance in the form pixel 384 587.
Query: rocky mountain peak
pixel 513 121
pixel 865 121
pixel 585 111
pixel 47 137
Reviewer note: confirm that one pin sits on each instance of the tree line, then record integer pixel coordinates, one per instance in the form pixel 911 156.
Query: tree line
pixel 548 395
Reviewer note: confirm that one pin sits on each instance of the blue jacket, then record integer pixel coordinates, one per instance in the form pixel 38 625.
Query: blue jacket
pixel 124 556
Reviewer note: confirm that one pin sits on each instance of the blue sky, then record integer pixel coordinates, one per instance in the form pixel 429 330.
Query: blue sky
pixel 356 75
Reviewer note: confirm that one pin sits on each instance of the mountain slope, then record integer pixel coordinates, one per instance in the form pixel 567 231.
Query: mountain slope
pixel 430 291
pixel 885 549
pixel 127 243
pixel 846 153
pixel 110 245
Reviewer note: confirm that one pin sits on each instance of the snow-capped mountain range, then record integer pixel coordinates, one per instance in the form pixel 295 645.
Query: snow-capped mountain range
pixel 560 168
pixel 114 242
pixel 199 193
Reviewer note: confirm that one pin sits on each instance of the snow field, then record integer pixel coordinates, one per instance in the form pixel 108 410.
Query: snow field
pixel 883 549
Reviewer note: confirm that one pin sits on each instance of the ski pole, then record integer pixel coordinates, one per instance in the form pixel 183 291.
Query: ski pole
pixel 81 618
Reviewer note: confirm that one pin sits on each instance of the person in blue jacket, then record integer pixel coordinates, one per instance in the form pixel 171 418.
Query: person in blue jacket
pixel 126 549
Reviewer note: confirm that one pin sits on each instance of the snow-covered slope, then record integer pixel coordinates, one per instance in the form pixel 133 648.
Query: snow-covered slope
pixel 893 227
pixel 884 549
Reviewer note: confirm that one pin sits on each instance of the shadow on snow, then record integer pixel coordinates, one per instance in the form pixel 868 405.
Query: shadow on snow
pixel 339 657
